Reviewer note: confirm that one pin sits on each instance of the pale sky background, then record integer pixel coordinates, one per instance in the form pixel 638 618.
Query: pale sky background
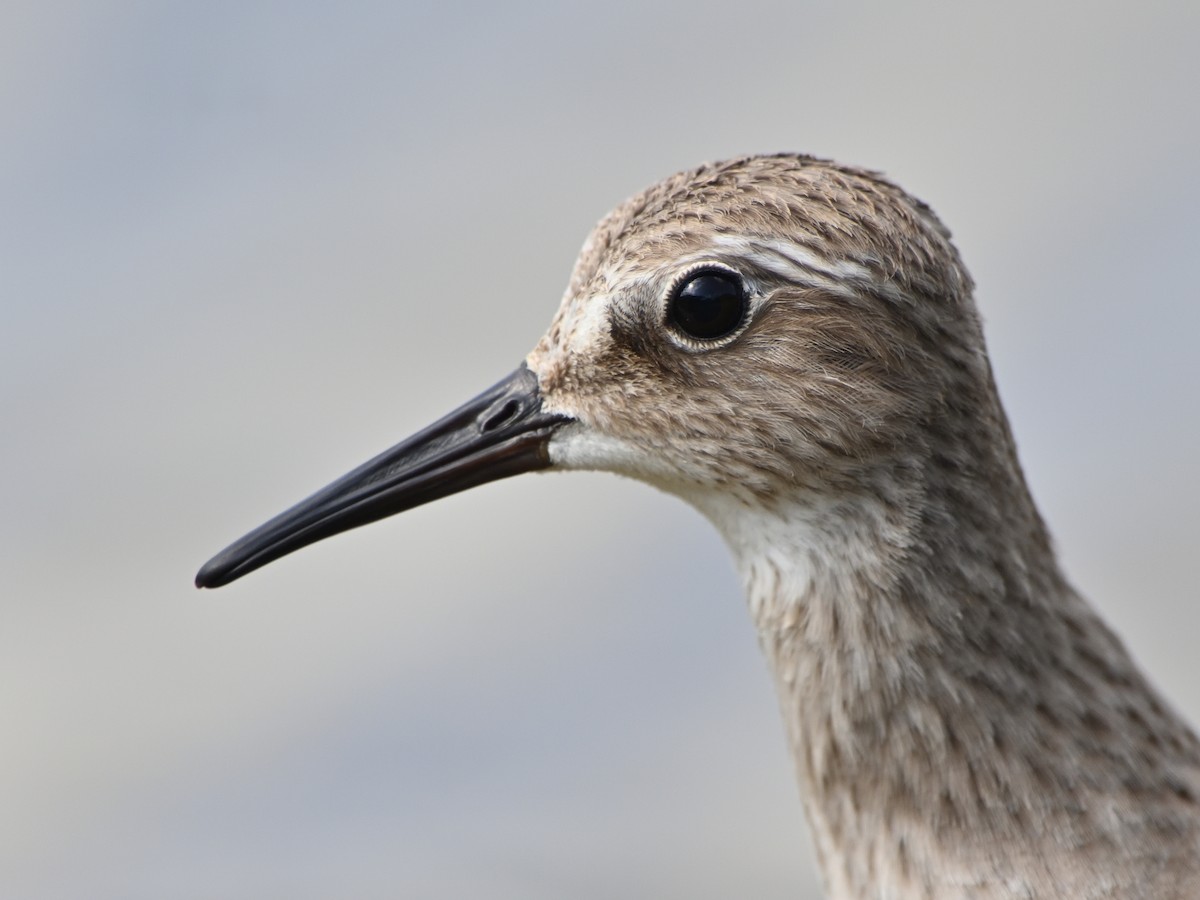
pixel 246 245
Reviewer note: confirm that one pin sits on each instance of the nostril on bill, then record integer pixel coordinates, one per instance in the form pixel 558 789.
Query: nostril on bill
pixel 502 416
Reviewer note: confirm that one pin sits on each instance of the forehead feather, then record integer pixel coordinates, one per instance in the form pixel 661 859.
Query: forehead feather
pixel 835 215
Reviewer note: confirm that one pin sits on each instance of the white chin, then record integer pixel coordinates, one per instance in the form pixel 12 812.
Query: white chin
pixel 577 447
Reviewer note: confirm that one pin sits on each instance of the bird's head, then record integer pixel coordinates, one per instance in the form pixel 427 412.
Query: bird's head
pixel 756 327
pixel 750 330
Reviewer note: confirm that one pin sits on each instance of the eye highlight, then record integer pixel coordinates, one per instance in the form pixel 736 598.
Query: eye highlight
pixel 707 304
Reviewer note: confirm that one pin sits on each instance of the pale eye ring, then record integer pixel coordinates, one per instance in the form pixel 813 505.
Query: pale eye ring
pixel 708 304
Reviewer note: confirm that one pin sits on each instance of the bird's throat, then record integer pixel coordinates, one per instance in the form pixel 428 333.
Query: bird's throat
pixel 942 692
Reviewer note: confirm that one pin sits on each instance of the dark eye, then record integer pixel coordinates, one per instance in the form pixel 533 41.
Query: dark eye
pixel 708 305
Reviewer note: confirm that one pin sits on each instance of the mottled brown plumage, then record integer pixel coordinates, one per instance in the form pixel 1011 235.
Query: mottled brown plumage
pixel 963 723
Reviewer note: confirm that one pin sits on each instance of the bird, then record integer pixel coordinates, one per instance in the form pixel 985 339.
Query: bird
pixel 791 346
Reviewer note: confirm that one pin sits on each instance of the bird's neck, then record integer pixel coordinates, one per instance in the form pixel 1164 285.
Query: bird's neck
pixel 962 722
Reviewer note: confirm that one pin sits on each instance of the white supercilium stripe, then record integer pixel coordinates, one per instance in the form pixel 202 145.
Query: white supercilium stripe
pixel 805 266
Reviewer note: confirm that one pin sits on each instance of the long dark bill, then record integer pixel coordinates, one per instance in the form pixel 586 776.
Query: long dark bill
pixel 501 432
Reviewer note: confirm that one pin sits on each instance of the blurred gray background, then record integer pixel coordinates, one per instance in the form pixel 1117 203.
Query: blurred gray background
pixel 246 245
